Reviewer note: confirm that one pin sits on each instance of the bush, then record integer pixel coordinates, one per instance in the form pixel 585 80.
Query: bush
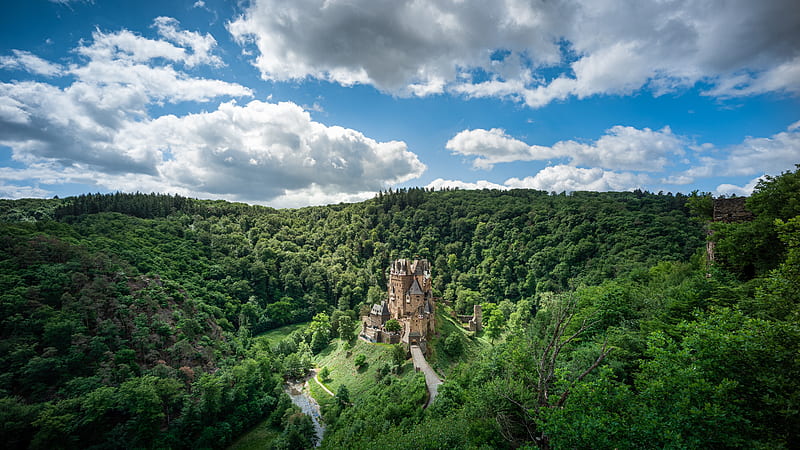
pixel 392 325
pixel 360 360
pixel 453 345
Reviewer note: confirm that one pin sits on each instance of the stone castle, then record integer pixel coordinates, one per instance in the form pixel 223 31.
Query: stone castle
pixel 409 300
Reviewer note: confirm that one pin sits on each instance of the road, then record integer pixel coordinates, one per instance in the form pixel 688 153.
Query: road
pixel 431 379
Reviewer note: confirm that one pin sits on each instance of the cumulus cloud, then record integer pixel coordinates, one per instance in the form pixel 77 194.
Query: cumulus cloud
pixel 202 45
pixel 120 75
pixel 567 178
pixel 621 148
pixel 266 150
pixel 23 60
pixel 732 189
pixel 490 147
pixel 441 183
pixel 558 178
pixel 511 48
pixel 98 130
pixel 14 192
pixel 754 156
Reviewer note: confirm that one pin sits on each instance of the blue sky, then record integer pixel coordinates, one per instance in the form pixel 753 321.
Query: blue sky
pixel 293 103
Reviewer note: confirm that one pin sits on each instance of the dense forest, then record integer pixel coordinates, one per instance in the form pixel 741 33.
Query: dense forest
pixel 130 320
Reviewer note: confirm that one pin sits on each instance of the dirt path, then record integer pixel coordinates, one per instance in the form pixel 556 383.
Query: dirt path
pixel 316 378
pixel 431 379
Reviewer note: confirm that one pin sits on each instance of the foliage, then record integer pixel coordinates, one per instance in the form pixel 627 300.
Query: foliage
pixel 753 248
pixel 392 325
pixel 360 360
pixel 454 345
pixel 137 320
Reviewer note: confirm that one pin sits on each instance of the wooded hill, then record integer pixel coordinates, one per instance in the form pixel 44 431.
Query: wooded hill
pixel 127 319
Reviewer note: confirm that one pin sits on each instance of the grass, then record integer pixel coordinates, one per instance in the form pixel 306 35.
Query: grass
pixel 257 438
pixel 446 325
pixel 272 337
pixel 338 358
pixel 317 392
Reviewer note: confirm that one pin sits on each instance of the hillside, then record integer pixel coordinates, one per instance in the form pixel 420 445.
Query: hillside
pixel 131 320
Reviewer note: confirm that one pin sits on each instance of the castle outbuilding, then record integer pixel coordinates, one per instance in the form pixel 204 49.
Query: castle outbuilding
pixel 409 300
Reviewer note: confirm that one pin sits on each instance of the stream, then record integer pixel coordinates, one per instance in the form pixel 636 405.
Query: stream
pixel 298 392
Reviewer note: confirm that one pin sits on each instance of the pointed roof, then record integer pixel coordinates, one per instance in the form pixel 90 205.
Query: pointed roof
pixel 420 266
pixel 415 289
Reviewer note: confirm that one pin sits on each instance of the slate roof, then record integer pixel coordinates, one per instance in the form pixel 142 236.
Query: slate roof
pixel 380 310
pixel 415 289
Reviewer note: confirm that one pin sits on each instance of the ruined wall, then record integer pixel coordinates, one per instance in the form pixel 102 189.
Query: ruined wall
pixel 476 323
pixel 731 210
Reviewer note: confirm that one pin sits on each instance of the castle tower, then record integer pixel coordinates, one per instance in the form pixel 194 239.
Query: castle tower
pixel 409 299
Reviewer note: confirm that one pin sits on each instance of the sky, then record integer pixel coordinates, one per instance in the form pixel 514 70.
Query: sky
pixel 289 103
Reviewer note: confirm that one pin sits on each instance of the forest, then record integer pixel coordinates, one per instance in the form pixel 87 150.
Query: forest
pixel 133 320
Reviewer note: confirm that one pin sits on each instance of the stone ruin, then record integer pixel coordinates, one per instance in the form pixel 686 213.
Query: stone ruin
pixel 473 322
pixel 731 210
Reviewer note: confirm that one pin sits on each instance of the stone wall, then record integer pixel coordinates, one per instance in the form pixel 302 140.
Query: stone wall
pixel 731 210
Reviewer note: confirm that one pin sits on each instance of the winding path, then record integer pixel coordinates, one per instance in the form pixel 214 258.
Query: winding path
pixel 431 379
pixel 316 378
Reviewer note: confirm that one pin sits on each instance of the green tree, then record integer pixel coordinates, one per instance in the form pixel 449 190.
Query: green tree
pixel 343 395
pixel 701 205
pixel 399 355
pixel 360 360
pixel 298 433
pixel 494 327
pixel 347 328
pixel 319 341
pixel 454 345
pixel 392 325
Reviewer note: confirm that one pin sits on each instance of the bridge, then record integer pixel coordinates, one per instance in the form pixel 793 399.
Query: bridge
pixel 432 381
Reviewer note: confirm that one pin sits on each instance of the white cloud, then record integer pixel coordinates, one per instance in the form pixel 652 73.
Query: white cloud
pixel 13 192
pixel 754 156
pixel 28 61
pixel 441 183
pixel 98 130
pixel 261 152
pixel 122 75
pixel 621 148
pixel 202 45
pixel 266 149
pixel 557 179
pixel 405 47
pixel 491 147
pixel 317 195
pixel 567 178
pixel 12 111
pixel 731 189
pixel 736 47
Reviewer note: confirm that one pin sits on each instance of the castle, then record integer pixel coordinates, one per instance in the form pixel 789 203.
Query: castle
pixel 409 300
